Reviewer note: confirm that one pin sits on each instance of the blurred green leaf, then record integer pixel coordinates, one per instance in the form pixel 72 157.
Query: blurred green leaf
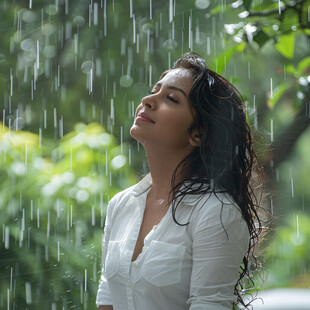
pixel 289 21
pixel 278 93
pixel 247 4
pixel 303 65
pixel 290 68
pixel 285 45
pixel 265 5
pixel 217 9
pixel 261 37
pixel 220 62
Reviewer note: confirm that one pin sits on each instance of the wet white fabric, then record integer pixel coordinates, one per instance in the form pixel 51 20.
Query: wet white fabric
pixel 180 267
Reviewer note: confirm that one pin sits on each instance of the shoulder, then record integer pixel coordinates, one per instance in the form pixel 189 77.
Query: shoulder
pixel 123 193
pixel 217 217
pixel 116 203
pixel 211 202
pixel 120 197
pixel 134 190
pixel 216 208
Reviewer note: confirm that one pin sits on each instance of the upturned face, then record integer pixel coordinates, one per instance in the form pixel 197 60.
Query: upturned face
pixel 164 117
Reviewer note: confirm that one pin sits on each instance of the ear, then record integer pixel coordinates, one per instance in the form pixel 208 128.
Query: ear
pixel 194 138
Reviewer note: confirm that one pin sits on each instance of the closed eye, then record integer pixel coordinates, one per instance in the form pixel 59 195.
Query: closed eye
pixel 168 97
pixel 172 99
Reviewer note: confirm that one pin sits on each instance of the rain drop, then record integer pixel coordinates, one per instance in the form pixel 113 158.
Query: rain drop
pixel 28 293
pixel 7 238
pixel 292 186
pixel 93 220
pixel 151 14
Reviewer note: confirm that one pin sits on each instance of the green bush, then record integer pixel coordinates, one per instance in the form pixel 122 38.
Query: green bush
pixel 52 215
pixel 288 255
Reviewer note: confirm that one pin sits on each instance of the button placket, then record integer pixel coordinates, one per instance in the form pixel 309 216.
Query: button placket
pixel 129 296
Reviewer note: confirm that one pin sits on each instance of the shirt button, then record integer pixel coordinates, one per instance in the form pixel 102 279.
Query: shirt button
pixel 155 226
pixel 129 285
pixel 144 248
pixel 135 264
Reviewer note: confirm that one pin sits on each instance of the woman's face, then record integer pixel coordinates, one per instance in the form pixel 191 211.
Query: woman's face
pixel 168 108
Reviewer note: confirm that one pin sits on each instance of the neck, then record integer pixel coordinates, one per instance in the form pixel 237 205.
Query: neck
pixel 162 164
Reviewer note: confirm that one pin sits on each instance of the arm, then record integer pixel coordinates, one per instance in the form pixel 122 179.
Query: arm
pixel 216 256
pixel 104 300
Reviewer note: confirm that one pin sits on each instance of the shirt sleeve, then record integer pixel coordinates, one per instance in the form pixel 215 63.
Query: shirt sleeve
pixel 103 293
pixel 220 240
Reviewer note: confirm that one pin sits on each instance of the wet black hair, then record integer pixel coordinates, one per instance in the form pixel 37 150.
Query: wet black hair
pixel 225 160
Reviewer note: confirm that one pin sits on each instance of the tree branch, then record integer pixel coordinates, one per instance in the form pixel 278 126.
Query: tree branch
pixel 284 145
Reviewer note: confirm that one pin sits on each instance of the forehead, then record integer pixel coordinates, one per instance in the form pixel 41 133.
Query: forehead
pixel 179 77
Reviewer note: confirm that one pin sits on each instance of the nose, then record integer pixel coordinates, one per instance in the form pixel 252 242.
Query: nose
pixel 148 101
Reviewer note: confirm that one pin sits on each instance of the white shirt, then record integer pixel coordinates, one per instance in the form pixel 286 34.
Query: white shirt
pixel 180 267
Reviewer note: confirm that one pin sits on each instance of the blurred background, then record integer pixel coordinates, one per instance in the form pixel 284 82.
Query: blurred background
pixel 72 73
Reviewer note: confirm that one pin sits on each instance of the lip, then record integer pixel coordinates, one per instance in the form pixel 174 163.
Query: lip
pixel 143 116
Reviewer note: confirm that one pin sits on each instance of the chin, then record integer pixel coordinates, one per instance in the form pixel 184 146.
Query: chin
pixel 138 135
pixel 133 132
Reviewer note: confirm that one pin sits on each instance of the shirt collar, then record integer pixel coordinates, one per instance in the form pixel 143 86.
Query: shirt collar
pixel 146 182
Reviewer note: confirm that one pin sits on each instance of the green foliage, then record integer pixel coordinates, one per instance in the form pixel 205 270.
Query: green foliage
pixel 303 66
pixel 52 213
pixel 286 45
pixel 220 62
pixel 247 4
pixel 288 256
pixel 278 93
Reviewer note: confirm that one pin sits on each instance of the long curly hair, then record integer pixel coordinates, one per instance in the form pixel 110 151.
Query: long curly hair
pixel 225 160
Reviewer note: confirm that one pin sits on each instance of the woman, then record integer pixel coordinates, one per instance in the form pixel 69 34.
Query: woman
pixel 176 239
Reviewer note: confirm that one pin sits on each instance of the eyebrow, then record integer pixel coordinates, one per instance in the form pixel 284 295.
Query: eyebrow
pixel 174 87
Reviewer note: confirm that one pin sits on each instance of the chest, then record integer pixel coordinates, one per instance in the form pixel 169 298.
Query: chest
pixel 138 222
pixel 153 214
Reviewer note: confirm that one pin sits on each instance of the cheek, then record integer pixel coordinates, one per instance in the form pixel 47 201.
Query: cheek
pixel 176 122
